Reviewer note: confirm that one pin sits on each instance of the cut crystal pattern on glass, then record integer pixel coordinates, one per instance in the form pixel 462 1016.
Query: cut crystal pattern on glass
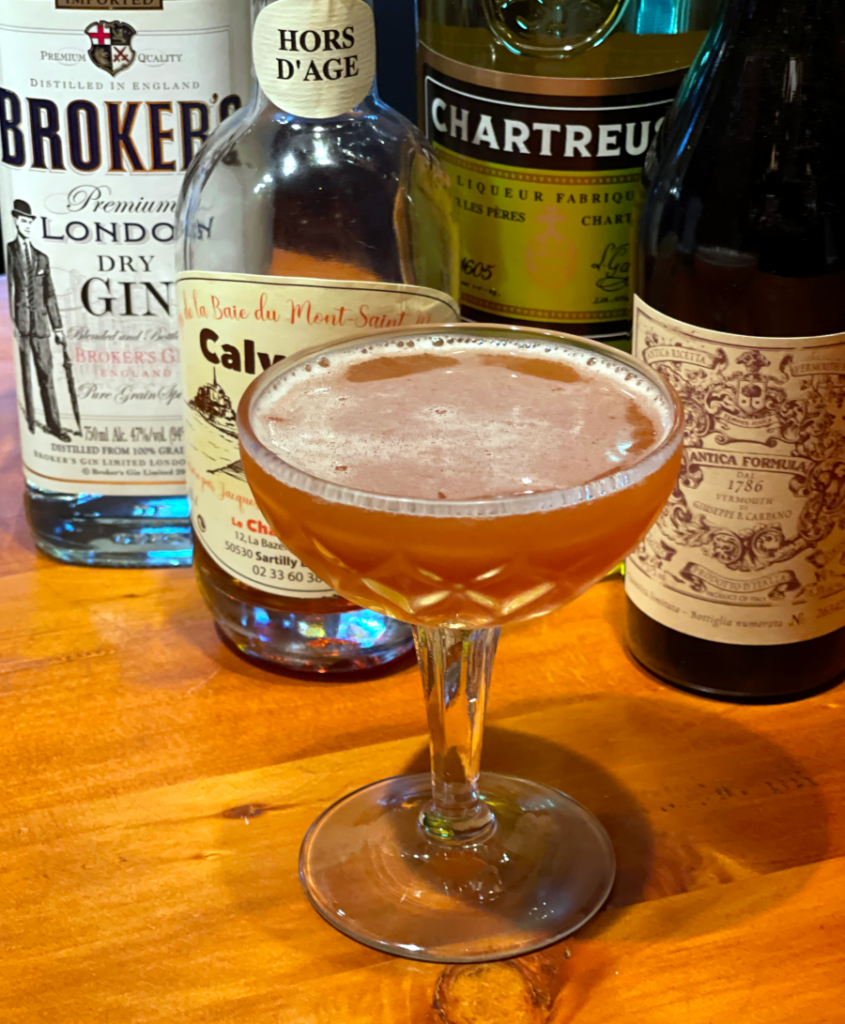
pixel 460 865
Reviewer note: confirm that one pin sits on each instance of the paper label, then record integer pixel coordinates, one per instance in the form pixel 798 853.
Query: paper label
pixel 543 189
pixel 100 116
pixel 232 327
pixel 315 58
pixel 751 546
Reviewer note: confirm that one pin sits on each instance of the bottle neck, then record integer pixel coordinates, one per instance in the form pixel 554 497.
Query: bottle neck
pixel 318 65
pixel 561 29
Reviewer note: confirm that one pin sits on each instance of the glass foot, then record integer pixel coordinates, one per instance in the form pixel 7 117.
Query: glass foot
pixel 372 871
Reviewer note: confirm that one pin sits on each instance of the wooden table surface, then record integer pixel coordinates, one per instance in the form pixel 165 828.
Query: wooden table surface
pixel 156 789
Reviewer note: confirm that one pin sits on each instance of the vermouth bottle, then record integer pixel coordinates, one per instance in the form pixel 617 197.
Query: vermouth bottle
pixel 315 213
pixel 542 113
pixel 739 591
pixel 101 112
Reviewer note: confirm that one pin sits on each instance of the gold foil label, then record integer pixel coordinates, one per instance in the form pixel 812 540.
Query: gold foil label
pixel 551 248
pixel 543 188
pixel 750 548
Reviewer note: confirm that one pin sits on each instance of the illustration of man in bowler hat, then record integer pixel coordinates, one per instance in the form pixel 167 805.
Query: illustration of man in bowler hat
pixel 35 314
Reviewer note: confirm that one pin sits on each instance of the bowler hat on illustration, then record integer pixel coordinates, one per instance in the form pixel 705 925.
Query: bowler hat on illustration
pixel 21 208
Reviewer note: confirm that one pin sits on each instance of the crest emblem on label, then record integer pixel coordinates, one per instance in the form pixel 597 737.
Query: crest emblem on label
pixel 111 45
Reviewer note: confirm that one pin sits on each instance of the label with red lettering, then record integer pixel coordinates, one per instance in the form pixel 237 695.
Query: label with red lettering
pixel 232 327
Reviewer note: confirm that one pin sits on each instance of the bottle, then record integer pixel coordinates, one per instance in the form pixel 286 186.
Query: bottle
pixel 739 591
pixel 542 113
pixel 315 213
pixel 101 112
pixel 396 34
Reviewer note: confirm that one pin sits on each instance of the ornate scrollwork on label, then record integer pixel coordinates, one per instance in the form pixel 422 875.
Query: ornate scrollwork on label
pixel 756 523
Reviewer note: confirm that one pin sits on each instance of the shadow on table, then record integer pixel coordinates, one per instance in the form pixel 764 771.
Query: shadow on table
pixel 525 755
pixel 691 800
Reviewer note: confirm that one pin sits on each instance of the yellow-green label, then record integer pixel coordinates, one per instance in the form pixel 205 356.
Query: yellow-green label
pixel 543 187
pixel 545 247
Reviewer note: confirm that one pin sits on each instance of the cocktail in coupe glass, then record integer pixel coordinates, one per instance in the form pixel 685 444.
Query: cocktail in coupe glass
pixel 459 478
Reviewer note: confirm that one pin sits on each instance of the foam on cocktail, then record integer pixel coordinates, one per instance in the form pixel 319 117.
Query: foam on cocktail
pixel 460 419
pixel 440 478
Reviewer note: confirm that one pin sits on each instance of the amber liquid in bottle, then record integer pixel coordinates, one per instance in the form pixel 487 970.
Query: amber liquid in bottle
pixel 505 90
pixel 304 208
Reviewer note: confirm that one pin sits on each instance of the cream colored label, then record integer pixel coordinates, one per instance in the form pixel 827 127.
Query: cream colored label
pixel 315 58
pixel 751 546
pixel 232 327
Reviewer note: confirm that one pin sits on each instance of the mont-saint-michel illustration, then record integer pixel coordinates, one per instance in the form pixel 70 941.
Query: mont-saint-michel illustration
pixel 213 405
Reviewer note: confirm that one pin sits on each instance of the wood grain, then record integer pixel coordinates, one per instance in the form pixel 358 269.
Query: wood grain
pixel 156 789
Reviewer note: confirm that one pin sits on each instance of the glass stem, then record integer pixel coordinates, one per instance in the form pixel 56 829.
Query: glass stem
pixel 456 666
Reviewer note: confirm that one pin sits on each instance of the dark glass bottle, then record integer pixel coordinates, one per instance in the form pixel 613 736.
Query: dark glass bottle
pixel 739 592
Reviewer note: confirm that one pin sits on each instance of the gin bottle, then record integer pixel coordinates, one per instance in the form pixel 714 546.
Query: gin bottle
pixel 101 112
pixel 315 213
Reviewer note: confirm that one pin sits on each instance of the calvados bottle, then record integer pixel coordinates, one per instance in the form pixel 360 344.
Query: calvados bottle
pixel 542 113
pixel 739 591
pixel 315 213
pixel 101 112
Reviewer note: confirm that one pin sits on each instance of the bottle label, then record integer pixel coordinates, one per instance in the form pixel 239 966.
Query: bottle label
pixel 232 327
pixel 100 116
pixel 751 546
pixel 544 174
pixel 315 58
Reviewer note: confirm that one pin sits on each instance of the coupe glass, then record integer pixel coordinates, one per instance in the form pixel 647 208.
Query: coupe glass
pixel 458 866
